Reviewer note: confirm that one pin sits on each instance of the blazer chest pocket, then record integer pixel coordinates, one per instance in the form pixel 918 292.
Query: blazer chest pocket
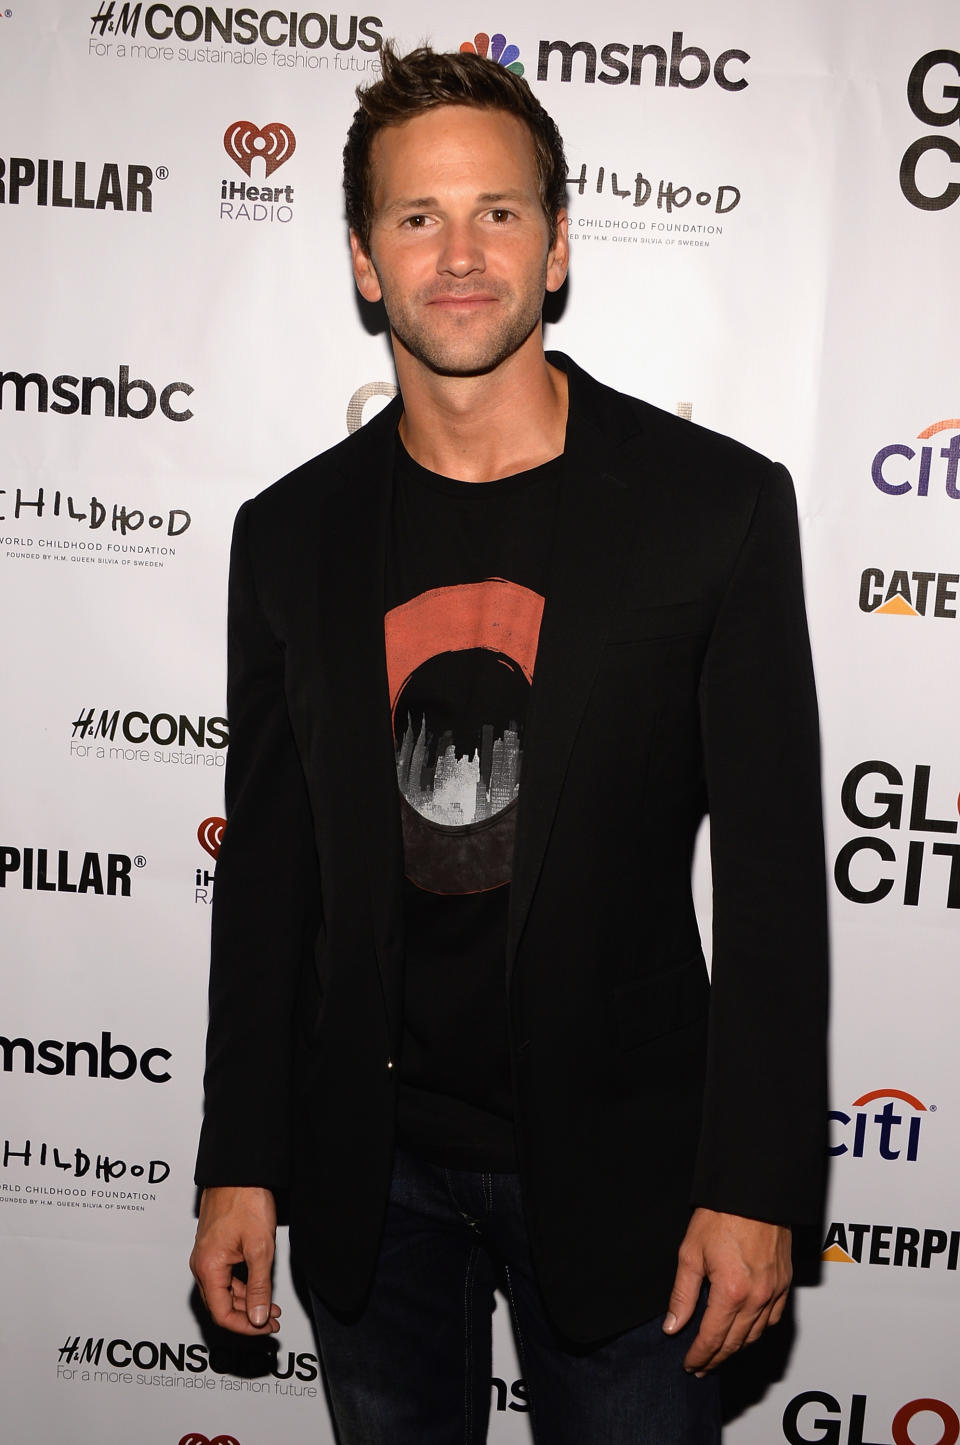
pixel 656 1020
pixel 660 621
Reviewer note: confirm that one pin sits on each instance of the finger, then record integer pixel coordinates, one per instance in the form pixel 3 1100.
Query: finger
pixel 218 1295
pixel 239 1290
pixel 683 1296
pixel 759 1325
pixel 718 1319
pixel 258 1299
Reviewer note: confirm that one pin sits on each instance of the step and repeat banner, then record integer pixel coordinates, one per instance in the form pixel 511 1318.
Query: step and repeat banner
pixel 765 213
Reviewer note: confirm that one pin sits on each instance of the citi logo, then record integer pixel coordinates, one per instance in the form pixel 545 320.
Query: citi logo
pixel 888 1132
pixel 75 394
pixel 901 1247
pixel 496 48
pixel 908 594
pixel 805 1424
pixel 878 808
pixel 53 1056
pixel 934 98
pixel 36 870
pixel 895 479
pixel 274 144
pixel 635 64
pixel 52 183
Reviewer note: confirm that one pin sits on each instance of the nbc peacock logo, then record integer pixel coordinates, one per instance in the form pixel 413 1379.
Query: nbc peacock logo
pixel 496 48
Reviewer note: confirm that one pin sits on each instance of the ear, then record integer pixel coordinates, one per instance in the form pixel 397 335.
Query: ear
pixel 558 257
pixel 364 271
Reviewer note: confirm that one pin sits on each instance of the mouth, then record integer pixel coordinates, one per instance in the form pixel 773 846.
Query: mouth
pixel 463 303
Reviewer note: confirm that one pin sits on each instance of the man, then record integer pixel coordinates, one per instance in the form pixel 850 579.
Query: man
pixel 466 1022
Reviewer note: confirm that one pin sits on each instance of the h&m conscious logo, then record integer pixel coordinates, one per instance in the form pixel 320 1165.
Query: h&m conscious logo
pixel 625 63
pixel 243 26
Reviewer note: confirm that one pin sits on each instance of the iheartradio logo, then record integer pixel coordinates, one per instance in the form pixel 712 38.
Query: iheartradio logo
pixel 209 836
pixel 243 142
pixel 195 1438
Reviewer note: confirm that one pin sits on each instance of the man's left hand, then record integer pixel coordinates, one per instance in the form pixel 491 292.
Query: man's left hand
pixel 747 1262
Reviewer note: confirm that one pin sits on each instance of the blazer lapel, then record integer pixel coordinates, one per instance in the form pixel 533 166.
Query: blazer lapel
pixel 351 641
pixel 597 520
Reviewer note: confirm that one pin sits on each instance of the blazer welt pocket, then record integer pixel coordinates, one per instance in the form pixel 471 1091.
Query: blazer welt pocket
pixel 660 1004
pixel 671 619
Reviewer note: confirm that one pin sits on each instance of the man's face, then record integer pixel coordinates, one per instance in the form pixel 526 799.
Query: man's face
pixel 460 248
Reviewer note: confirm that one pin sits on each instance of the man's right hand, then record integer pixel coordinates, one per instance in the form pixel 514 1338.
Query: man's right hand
pixel 237 1226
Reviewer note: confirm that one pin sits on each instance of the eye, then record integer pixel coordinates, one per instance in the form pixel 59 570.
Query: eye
pixel 416 223
pixel 500 215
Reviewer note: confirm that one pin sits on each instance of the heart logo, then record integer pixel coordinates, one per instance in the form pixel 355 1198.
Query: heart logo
pixel 243 142
pixel 209 836
pixel 195 1438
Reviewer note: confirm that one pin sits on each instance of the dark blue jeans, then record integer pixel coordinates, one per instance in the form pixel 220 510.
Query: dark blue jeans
pixel 415 1367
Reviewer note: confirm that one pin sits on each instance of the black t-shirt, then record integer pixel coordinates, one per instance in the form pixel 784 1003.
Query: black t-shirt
pixel 465 580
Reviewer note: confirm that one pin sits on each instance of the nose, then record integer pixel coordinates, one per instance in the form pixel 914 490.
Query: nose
pixel 462 252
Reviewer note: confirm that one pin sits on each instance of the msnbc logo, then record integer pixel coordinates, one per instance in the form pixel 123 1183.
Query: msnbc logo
pixel 888 1120
pixel 898 485
pixel 497 48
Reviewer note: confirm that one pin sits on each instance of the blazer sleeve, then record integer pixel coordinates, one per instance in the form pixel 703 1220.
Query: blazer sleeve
pixel 265 907
pixel 762 1149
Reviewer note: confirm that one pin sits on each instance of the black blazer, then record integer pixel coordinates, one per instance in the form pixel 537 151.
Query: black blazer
pixel 673 676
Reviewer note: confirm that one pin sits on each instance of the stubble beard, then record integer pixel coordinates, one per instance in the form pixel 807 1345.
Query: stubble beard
pixel 461 351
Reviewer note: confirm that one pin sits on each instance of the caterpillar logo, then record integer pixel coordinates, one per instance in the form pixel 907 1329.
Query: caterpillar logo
pixel 36 870
pixel 898 1246
pixel 903 593
pixel 107 187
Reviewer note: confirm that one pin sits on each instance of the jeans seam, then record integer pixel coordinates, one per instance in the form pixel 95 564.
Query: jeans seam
pixel 468 1345
pixel 521 1350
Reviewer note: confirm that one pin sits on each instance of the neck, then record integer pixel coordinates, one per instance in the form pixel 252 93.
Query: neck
pixel 480 428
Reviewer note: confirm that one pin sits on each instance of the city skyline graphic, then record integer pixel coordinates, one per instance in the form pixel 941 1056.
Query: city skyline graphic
pixel 460 664
pixel 455 789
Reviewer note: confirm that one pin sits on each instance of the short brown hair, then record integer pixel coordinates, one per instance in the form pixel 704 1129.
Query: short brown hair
pixel 410 85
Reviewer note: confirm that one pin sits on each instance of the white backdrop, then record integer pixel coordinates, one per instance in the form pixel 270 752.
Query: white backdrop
pixel 766 239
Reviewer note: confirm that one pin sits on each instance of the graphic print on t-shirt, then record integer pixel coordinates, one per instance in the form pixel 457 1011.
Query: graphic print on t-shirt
pixel 460 664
